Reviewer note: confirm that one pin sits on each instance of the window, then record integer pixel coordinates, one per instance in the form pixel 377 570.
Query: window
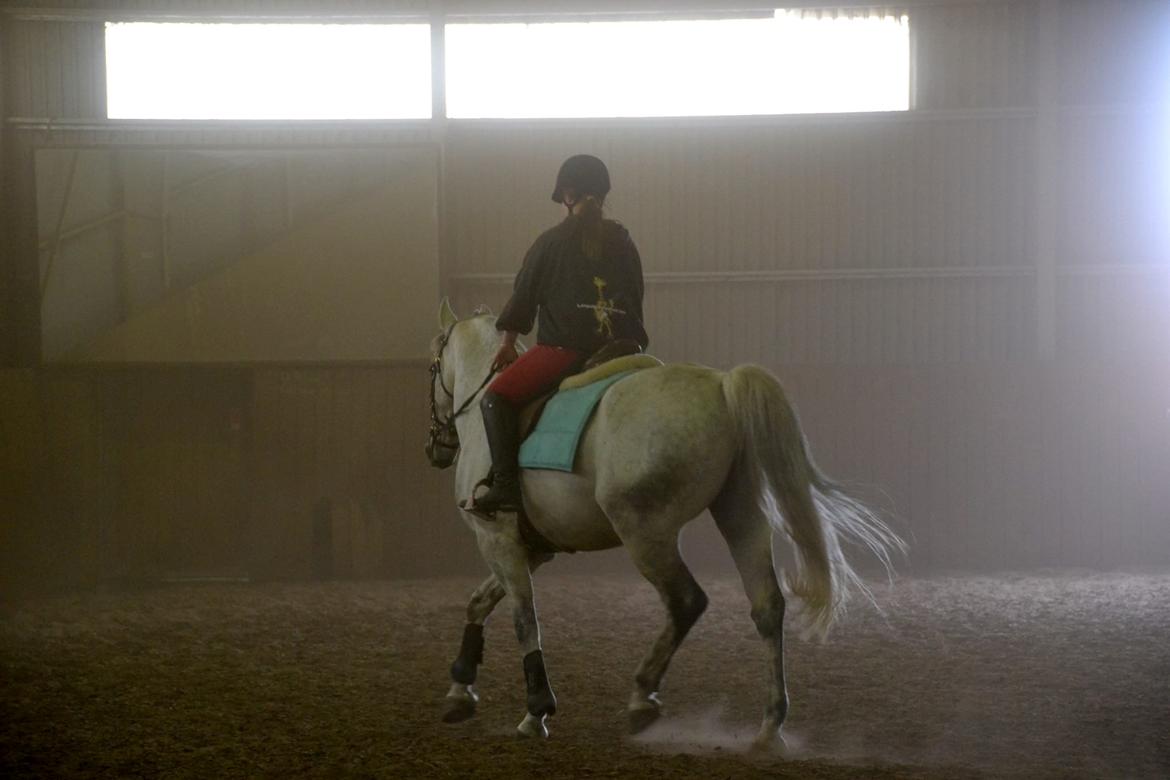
pixel 794 62
pixel 268 71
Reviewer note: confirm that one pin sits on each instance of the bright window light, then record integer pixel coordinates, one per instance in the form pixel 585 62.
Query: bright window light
pixel 268 71
pixel 792 63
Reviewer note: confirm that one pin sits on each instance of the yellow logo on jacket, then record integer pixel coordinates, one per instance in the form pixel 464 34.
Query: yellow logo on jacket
pixel 602 309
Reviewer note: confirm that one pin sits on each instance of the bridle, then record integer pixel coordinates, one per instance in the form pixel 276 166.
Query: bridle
pixel 443 438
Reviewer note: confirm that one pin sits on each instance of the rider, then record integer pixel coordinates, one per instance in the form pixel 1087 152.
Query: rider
pixel 584 279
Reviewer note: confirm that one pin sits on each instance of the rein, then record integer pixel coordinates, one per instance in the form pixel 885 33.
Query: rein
pixel 443 430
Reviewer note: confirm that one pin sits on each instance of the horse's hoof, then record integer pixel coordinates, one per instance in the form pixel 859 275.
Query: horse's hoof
pixel 459 710
pixel 769 741
pixel 533 726
pixel 641 718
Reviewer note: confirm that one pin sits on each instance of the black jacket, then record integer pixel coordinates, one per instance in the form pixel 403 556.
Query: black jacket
pixel 583 304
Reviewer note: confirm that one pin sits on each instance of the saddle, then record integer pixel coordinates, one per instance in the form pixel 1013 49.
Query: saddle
pixel 613 358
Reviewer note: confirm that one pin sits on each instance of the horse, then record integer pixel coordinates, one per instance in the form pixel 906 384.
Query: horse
pixel 663 445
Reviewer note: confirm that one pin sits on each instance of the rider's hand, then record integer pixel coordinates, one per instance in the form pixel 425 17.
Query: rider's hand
pixel 505 356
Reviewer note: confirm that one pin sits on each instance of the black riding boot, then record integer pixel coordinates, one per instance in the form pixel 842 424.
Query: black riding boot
pixel 501 420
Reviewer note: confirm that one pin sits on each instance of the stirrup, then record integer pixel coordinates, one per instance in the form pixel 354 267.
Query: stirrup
pixel 474 506
pixel 470 505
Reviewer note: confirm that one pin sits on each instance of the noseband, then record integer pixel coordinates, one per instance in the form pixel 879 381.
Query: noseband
pixel 443 434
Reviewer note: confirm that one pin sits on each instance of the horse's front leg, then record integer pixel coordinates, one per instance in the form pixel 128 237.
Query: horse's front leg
pixel 508 559
pixel 461 698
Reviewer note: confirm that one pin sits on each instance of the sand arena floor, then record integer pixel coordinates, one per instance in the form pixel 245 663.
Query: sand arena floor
pixel 1062 675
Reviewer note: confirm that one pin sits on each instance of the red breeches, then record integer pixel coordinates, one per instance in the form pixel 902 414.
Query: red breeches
pixel 538 371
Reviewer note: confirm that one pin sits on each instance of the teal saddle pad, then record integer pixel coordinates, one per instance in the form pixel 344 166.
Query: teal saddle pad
pixel 553 442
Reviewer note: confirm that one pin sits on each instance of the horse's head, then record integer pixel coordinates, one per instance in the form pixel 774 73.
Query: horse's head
pixel 448 359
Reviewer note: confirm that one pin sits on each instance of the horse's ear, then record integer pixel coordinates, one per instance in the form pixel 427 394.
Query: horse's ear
pixel 482 309
pixel 447 316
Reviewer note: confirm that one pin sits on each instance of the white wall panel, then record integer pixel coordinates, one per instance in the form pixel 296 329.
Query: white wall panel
pixel 1115 188
pixel 858 322
pixel 1113 52
pixel 818 194
pixel 840 199
pixel 974 54
pixel 1109 317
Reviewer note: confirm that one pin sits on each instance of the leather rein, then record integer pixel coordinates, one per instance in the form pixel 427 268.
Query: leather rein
pixel 443 431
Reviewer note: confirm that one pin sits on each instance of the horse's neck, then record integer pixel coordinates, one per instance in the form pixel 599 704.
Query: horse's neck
pixel 475 350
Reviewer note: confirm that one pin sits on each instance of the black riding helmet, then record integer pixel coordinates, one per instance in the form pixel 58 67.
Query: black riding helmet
pixel 584 173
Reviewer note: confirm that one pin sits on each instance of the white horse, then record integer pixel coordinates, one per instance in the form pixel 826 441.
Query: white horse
pixel 663 445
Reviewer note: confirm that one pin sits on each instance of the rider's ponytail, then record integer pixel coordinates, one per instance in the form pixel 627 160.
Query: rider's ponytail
pixel 591 227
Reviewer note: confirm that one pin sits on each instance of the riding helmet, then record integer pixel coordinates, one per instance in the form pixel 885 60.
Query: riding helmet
pixel 584 173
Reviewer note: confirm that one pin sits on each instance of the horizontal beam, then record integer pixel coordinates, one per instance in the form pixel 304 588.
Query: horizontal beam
pixel 1120 111
pixel 489 10
pixel 1114 269
pixel 221 365
pixel 792 275
pixel 43 124
pixel 326 16
pixel 841 274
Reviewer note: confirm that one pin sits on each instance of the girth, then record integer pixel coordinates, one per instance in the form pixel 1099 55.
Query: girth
pixel 536 542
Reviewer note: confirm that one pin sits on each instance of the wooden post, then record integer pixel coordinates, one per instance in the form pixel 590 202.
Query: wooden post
pixel 165 222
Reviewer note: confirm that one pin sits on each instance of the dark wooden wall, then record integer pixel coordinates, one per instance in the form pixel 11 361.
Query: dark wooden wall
pixel 144 474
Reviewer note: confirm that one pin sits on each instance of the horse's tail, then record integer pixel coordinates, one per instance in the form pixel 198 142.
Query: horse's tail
pixel 796 497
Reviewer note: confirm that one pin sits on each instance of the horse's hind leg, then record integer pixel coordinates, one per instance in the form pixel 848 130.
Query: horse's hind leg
pixel 660 562
pixel 749 536
pixel 461 698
